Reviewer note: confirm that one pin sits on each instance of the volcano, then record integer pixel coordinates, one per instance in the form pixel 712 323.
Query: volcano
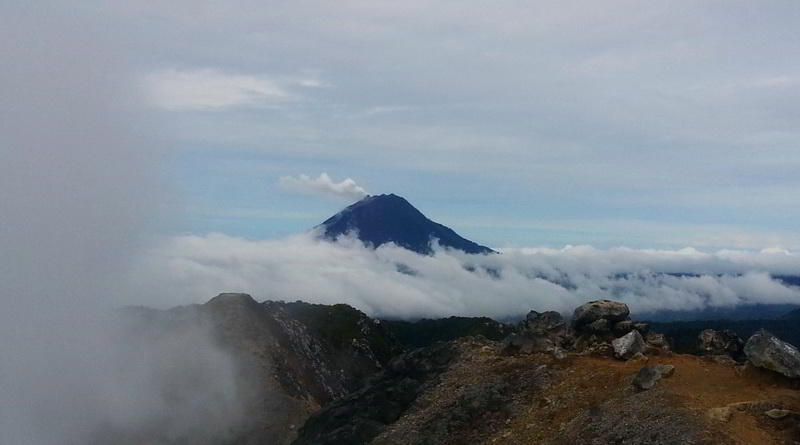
pixel 382 219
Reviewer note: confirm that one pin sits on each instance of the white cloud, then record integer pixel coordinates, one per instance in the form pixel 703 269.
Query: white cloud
pixel 209 89
pixel 323 185
pixel 193 268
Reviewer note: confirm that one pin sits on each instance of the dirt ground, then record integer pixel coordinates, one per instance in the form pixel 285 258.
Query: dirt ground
pixel 697 386
pixel 590 400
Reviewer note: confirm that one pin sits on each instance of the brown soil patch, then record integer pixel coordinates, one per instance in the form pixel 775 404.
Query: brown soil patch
pixel 697 385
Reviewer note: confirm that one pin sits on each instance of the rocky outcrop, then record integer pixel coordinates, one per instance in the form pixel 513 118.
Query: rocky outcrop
pixel 611 311
pixel 544 332
pixel 769 352
pixel 628 346
pixel 720 343
pixel 290 358
pixel 549 323
pixel 360 416
pixel 597 323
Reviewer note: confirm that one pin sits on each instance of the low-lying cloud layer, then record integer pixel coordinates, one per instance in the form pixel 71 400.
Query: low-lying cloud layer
pixel 394 282
pixel 323 185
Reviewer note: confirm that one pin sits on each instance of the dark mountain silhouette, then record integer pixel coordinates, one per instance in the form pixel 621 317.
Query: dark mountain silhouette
pixel 390 218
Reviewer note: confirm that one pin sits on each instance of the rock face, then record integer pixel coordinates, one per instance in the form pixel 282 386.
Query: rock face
pixel 611 311
pixel 726 342
pixel 767 351
pixel 291 358
pixel 363 414
pixel 627 346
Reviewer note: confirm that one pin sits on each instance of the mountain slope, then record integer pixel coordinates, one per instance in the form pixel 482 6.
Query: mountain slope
pixel 382 219
pixel 290 359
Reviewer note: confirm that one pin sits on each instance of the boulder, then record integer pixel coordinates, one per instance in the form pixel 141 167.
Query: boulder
pixel 657 340
pixel 767 351
pixel 648 376
pixel 600 326
pixel 713 342
pixel 622 327
pixel 628 345
pixel 613 311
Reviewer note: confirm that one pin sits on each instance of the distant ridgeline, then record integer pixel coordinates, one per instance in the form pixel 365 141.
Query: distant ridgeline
pixel 684 333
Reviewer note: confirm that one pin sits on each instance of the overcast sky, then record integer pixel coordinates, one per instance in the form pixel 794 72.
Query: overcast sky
pixel 518 123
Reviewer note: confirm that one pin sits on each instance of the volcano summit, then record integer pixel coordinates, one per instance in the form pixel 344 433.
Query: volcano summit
pixel 382 219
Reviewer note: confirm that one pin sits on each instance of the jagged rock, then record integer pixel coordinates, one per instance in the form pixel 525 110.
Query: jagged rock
pixel 290 358
pixel 360 416
pixel 713 342
pixel 767 351
pixel 539 332
pixel 545 323
pixel 628 345
pixel 642 327
pixel 657 340
pixel 648 376
pixel 613 311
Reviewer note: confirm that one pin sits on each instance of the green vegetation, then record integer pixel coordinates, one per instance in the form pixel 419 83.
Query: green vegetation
pixel 426 332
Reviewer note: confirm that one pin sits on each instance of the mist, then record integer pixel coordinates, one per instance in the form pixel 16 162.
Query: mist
pixel 78 177
pixel 397 283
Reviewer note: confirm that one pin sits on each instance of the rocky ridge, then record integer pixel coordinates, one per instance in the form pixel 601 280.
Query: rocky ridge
pixel 316 374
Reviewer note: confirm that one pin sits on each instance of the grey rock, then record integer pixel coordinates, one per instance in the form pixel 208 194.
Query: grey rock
pixel 713 342
pixel 657 340
pixel 643 328
pixel 628 345
pixel 622 327
pixel 600 326
pixel 613 311
pixel 545 323
pixel 769 352
pixel 648 376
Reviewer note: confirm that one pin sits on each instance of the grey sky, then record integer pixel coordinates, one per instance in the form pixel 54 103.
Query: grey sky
pixel 645 112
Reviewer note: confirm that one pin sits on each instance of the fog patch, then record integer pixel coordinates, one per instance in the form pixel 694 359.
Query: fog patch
pixel 79 193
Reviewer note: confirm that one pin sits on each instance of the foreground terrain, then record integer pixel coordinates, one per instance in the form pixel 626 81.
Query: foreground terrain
pixel 316 374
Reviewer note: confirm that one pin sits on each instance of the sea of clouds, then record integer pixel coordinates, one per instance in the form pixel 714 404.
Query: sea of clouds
pixel 396 283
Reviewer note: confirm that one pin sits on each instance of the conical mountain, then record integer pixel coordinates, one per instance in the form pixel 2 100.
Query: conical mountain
pixel 390 218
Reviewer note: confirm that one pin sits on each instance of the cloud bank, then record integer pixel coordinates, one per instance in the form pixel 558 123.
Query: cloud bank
pixel 394 282
pixel 323 185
